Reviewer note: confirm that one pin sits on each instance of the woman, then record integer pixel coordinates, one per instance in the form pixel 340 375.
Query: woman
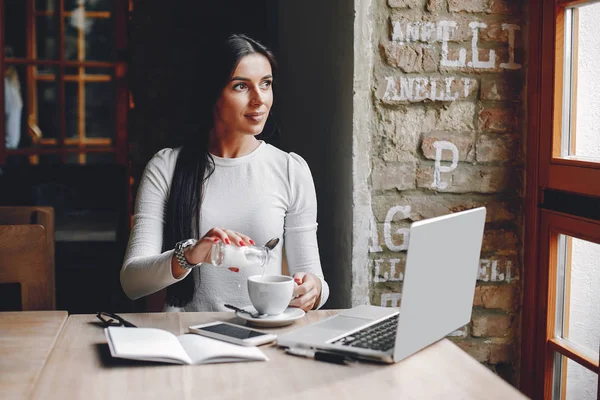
pixel 225 185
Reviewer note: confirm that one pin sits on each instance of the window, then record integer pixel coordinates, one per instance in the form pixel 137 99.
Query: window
pixel 573 164
pixel 570 249
pixel 65 96
pixel 561 303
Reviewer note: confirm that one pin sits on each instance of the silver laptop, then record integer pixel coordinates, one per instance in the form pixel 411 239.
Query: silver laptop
pixel 437 297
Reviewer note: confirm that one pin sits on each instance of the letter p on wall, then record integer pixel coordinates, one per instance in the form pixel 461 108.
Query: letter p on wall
pixel 439 168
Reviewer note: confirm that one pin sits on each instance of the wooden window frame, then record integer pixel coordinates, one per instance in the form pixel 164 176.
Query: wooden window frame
pixel 546 170
pixel 80 145
pixel 567 174
pixel 552 225
pixel 80 79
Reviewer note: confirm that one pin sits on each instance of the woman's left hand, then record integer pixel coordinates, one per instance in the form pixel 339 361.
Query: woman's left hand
pixel 308 291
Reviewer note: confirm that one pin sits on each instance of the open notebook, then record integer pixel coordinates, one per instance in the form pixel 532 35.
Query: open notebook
pixel 150 344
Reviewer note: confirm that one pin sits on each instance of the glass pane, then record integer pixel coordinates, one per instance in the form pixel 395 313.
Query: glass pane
pixel 45 5
pixel 99 110
pixel 46 121
pixel 580 261
pixel 72 109
pixel 46 38
pixel 46 72
pixel 100 71
pixel 89 5
pixel 15 18
pixel 96 41
pixel 571 381
pixel 99 41
pixel 581 384
pixel 71 71
pixel 72 38
pixel 74 71
pixel 581 119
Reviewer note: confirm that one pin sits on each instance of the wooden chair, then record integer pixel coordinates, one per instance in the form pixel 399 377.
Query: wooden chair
pixel 37 215
pixel 24 259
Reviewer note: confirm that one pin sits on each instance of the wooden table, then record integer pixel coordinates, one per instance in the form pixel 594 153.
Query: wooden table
pixel 80 367
pixel 26 340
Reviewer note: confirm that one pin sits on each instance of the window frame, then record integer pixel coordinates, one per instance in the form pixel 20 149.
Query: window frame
pixel 552 225
pixel 546 170
pixel 571 175
pixel 64 146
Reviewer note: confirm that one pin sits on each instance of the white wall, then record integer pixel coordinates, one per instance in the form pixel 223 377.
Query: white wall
pixel 584 326
pixel 587 141
pixel 584 323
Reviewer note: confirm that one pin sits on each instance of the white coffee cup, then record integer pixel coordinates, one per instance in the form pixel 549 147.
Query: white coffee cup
pixel 270 294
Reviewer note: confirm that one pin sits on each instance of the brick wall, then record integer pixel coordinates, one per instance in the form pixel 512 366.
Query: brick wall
pixel 449 84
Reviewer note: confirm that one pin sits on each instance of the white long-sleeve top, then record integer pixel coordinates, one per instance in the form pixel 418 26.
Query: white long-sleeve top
pixel 265 194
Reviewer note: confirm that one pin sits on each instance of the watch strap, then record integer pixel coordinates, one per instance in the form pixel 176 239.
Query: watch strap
pixel 179 253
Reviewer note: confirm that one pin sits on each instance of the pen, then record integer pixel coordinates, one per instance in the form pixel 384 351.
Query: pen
pixel 318 355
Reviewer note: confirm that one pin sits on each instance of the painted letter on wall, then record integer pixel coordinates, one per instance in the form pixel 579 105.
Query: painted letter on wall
pixel 439 168
pixel 392 298
pixel 476 63
pixel 387 227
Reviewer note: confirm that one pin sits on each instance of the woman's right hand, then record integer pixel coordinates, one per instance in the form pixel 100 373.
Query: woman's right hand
pixel 200 252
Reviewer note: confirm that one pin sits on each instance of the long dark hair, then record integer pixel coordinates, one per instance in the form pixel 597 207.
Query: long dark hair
pixel 194 163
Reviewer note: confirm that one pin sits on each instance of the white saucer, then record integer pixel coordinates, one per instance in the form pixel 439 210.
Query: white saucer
pixel 270 321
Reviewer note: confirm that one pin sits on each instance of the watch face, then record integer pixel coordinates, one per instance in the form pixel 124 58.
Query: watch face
pixel 189 242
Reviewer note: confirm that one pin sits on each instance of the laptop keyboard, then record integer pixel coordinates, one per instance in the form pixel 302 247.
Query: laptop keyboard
pixel 380 336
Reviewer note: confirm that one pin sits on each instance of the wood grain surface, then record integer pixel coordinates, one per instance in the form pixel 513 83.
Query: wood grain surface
pixel 26 340
pixel 81 367
pixel 24 259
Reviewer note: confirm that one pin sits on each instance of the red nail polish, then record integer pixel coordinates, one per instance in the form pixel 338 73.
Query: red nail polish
pixel 227 241
pixel 216 240
pixel 242 243
pixel 252 241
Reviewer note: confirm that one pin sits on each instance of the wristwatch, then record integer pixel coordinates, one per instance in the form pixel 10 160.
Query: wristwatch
pixel 179 248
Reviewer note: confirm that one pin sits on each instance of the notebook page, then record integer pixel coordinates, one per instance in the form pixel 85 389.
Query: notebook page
pixel 204 350
pixel 146 344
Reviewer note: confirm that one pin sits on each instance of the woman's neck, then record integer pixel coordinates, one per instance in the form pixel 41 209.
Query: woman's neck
pixel 231 145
